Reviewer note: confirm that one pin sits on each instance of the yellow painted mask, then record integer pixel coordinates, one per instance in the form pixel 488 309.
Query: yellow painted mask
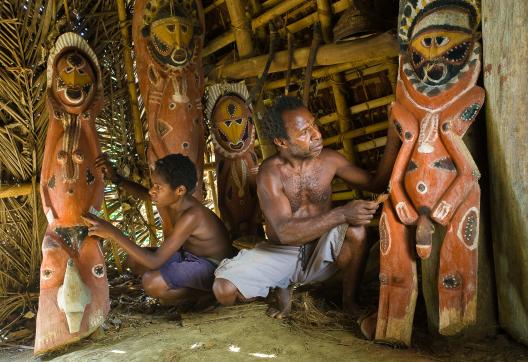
pixel 233 125
pixel 75 79
pixel 170 40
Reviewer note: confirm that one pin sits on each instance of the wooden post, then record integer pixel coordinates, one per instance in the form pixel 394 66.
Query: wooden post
pixel 359 51
pixel 242 29
pixel 505 38
pixel 134 108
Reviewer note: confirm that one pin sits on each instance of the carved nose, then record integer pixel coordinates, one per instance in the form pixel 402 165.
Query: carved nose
pixel 73 297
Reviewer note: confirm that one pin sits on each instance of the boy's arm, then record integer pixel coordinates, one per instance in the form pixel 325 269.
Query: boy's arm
pixel 151 260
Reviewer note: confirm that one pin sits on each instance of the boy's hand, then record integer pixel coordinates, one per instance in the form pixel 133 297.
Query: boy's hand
pixel 103 163
pixel 101 228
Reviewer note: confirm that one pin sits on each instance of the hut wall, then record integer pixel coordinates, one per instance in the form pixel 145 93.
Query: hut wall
pixel 505 38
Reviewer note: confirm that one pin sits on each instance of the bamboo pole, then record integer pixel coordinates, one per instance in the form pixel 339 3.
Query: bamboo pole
pixel 359 51
pixel 210 180
pixel 324 12
pixel 229 36
pixel 242 30
pixel 213 6
pixel 358 108
pixel 358 132
pixel 7 191
pixel 305 22
pixel 355 74
pixel 134 108
pixel 372 144
pixel 270 3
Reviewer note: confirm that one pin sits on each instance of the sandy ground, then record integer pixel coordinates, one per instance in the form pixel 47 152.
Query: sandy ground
pixel 245 333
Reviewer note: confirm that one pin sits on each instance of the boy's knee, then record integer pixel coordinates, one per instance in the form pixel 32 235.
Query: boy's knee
pixel 225 292
pixel 356 235
pixel 151 288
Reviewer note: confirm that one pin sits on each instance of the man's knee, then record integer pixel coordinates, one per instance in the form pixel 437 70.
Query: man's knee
pixel 225 291
pixel 355 243
pixel 151 284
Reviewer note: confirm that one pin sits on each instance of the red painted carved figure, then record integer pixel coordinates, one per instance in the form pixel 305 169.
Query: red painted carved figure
pixel 233 134
pixel 168 38
pixel 435 181
pixel 73 284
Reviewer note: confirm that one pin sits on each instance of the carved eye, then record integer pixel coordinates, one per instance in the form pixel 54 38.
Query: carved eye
pixel 426 42
pixel 98 270
pixel 68 69
pixel 81 71
pixel 184 29
pixel 239 121
pixel 228 123
pixel 171 28
pixel 441 40
pixel 46 274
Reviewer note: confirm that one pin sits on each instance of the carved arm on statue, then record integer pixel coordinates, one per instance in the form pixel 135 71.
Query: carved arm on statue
pixel 407 127
pixel 52 137
pixel 467 176
pixel 90 133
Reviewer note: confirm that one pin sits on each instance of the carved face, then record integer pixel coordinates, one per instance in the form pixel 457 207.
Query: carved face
pixel 75 79
pixel 170 40
pixel 73 290
pixel 437 52
pixel 233 124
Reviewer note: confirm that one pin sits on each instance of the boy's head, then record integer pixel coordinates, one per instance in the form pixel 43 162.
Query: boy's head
pixel 177 170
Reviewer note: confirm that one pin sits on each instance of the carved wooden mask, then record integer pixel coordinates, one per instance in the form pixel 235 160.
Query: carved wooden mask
pixel 74 297
pixel 169 30
pixel 74 82
pixel 232 124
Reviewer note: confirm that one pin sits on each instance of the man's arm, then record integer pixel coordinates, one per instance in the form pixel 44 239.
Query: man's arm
pixel 300 230
pixel 133 188
pixel 363 179
pixel 151 260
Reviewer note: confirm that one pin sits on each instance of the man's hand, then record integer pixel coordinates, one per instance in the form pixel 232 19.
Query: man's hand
pixel 360 212
pixel 103 164
pixel 101 228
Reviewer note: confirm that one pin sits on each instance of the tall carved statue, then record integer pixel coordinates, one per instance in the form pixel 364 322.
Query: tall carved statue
pixel 233 133
pixel 168 36
pixel 73 298
pixel 435 180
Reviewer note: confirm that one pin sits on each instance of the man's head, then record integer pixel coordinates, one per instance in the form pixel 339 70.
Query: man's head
pixel 292 128
pixel 173 174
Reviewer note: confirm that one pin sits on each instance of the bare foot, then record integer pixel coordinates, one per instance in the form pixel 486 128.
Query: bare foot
pixel 284 299
pixel 367 324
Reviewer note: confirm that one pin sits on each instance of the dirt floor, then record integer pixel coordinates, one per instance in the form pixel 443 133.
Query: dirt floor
pixel 316 332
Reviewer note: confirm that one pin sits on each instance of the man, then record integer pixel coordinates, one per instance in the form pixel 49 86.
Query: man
pixel 182 269
pixel 308 240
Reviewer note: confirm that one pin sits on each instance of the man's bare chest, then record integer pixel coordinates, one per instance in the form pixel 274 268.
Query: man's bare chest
pixel 308 187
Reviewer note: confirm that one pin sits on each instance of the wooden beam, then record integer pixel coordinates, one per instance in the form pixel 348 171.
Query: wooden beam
pixel 213 6
pixel 358 132
pixel 358 51
pixel 358 108
pixel 241 28
pixel 7 191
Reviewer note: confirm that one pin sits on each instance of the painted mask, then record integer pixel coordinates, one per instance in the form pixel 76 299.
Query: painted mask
pixel 75 79
pixel 441 44
pixel 170 33
pixel 232 124
pixel 73 289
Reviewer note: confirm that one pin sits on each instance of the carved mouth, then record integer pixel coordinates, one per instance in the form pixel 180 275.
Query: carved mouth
pixel 237 147
pixel 74 95
pixel 179 56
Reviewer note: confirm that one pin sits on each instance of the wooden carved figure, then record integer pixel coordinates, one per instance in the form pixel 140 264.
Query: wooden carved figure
pixel 233 133
pixel 73 298
pixel 435 180
pixel 168 36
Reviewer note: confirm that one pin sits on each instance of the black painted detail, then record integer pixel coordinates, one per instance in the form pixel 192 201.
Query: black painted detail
pixel 446 127
pixel 90 178
pixel 384 279
pixel 73 236
pixel 424 210
pixel 408 135
pixel 412 166
pixel 51 182
pixel 421 187
pixel 469 228
pixel 470 112
pixel 398 127
pixel 221 165
pixel 451 281
pixel 445 163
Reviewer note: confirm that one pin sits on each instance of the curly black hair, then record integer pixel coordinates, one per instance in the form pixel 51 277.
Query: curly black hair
pixel 177 170
pixel 274 124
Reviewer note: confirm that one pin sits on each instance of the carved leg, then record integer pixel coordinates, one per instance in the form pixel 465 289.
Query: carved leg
pixel 457 277
pixel 398 280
